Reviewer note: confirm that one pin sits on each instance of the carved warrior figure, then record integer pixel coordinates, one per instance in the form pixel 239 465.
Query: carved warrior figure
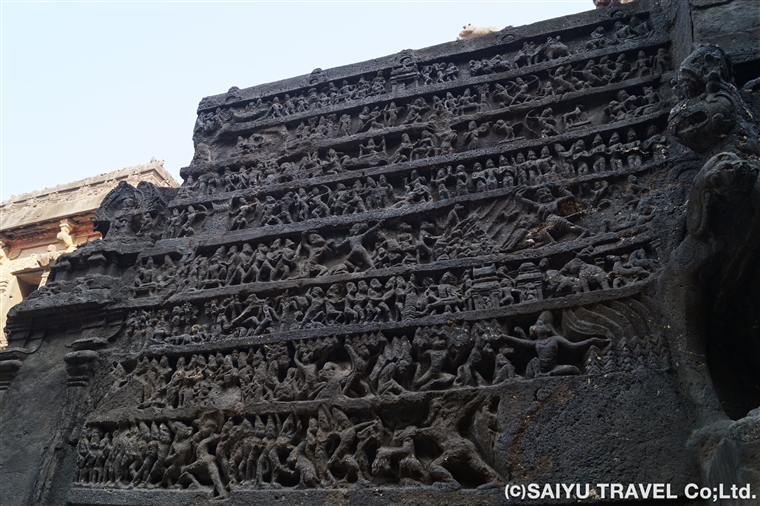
pixel 547 344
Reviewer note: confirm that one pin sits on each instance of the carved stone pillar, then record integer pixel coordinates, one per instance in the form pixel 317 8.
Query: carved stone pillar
pixel 11 360
pixel 79 362
pixel 98 263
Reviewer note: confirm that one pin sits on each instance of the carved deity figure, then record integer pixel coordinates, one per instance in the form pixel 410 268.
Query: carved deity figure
pixel 548 344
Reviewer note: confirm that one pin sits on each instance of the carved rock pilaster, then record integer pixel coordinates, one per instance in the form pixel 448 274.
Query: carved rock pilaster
pixel 11 360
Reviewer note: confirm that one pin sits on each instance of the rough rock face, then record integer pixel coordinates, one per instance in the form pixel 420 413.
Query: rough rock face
pixel 528 257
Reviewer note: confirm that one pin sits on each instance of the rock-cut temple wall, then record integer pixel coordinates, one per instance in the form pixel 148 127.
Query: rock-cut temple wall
pixel 529 257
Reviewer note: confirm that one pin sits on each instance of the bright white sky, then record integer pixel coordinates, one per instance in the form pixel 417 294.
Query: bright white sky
pixel 92 87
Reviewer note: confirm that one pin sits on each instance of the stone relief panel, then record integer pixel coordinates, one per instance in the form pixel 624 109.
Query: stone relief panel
pixel 401 188
pixel 393 299
pixel 438 357
pixel 329 412
pixel 353 136
pixel 411 74
pixel 315 448
pixel 361 274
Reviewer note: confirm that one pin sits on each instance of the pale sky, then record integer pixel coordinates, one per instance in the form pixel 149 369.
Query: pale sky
pixel 92 87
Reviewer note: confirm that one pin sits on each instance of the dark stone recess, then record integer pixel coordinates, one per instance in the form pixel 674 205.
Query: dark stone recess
pixel 528 257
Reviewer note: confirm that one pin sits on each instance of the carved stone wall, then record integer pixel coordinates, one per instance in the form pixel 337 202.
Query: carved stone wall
pixel 38 226
pixel 514 258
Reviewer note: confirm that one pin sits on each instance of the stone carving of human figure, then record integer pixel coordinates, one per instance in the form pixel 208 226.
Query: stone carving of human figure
pixel 356 383
pixel 435 378
pixel 548 209
pixel 358 255
pixel 371 148
pixel 180 452
pixel 316 250
pixel 546 343
pixel 459 454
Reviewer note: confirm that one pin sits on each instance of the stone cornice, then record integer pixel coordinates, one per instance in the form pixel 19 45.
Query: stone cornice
pixel 58 202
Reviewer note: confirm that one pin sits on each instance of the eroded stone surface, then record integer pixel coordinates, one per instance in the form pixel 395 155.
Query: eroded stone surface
pixel 527 257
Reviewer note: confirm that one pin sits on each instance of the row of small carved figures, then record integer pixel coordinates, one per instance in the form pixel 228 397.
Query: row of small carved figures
pixel 396 299
pixel 525 220
pixel 323 449
pixel 314 256
pixel 444 181
pixel 77 287
pixel 564 79
pixel 435 73
pixel 438 358
pixel 532 54
pixel 159 381
pixel 368 248
pixel 538 225
pixel 328 127
pixel 530 218
pixel 436 142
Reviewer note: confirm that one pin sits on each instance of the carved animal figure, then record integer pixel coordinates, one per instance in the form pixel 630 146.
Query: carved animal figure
pixel 473 31
pixel 587 273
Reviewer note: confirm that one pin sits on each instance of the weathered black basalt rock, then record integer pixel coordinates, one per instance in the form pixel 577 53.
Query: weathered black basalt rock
pixel 526 257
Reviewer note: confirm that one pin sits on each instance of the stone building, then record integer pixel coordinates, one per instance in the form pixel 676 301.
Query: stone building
pixel 36 227
pixel 524 259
